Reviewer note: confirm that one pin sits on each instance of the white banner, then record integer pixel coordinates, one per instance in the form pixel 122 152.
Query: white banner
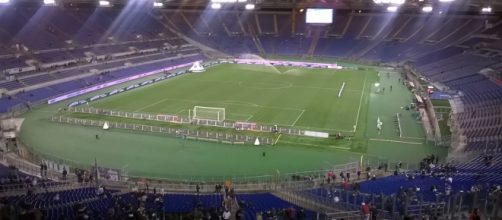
pixel 316 134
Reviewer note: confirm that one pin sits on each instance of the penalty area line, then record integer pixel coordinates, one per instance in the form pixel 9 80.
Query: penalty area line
pixel 150 105
pixel 298 118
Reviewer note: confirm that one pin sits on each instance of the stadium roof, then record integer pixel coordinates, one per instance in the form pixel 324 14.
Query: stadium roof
pixel 453 5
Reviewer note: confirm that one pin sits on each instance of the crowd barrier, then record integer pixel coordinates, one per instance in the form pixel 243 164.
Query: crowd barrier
pixel 180 133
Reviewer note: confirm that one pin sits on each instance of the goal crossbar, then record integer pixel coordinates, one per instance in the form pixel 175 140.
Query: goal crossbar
pixel 208 113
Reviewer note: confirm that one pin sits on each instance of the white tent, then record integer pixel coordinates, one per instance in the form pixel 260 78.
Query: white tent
pixel 197 67
pixel 256 142
pixel 106 126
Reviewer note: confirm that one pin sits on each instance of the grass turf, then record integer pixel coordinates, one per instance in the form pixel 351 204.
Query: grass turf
pixel 290 96
pixel 284 96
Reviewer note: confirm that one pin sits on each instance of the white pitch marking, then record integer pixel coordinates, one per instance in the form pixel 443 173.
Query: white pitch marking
pixel 150 105
pixel 360 101
pixel 298 118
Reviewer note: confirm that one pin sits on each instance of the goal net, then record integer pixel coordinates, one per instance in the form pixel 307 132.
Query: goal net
pixel 208 113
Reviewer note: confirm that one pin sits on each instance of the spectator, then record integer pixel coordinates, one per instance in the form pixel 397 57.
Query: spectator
pixel 365 211
pixel 56 197
pixel 34 182
pixel 45 170
pixel 64 173
pixel 374 212
pixel 100 190
pixel 336 199
pixel 474 215
pixel 259 216
pixel 42 170
pixel 226 214
pixel 301 214
pixel 239 215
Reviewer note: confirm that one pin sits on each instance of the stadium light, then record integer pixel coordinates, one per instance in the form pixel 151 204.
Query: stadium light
pixel 223 1
pixel 486 9
pixel 427 9
pixel 216 6
pixel 104 3
pixel 242 1
pixel 250 6
pixel 394 2
pixel 392 8
pixel 49 2
pixel 4 1
pixel 158 4
pixel 397 2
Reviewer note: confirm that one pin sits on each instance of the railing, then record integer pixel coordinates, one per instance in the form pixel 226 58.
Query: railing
pixel 180 133
pixel 267 182
pixel 294 180
pixel 347 215
pixel 186 120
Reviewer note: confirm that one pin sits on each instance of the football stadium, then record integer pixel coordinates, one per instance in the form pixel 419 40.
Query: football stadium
pixel 251 109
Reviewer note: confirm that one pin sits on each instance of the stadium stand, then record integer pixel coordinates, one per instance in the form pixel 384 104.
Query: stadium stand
pixel 75 49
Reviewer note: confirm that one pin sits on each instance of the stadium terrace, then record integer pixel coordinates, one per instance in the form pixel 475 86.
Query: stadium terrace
pixel 243 109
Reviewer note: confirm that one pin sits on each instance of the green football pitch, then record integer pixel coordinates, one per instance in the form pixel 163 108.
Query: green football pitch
pixel 287 96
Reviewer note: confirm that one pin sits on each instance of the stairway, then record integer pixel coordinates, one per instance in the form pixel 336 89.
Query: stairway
pixel 188 23
pixel 256 40
pixel 313 44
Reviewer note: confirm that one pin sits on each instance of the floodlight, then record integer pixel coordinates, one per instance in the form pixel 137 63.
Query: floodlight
pixel 397 2
pixel 241 1
pixel 104 3
pixel 250 6
pixel 377 84
pixel 49 2
pixel 486 9
pixel 216 6
pixel 427 9
pixel 446 0
pixel 158 4
pixel 394 2
pixel 392 8
pixel 223 1
pixel 4 1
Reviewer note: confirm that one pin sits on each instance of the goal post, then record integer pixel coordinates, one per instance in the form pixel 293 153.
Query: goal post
pixel 208 113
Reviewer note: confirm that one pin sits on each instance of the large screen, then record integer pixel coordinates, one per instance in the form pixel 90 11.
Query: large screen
pixel 319 16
